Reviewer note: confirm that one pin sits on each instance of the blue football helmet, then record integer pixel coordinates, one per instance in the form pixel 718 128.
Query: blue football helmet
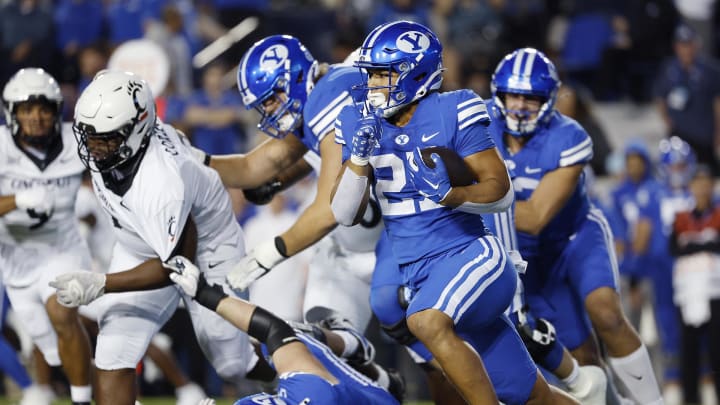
pixel 280 71
pixel 677 162
pixel 529 72
pixel 409 49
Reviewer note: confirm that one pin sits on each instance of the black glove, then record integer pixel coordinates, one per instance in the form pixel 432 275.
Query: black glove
pixel 263 194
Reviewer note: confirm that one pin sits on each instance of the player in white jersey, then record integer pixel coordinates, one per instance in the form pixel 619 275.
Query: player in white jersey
pixel 162 202
pixel 299 100
pixel 39 178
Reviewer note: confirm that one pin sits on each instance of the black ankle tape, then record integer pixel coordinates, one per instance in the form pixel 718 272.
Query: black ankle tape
pixel 271 330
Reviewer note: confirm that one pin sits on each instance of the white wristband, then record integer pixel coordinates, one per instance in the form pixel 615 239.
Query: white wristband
pixel 267 254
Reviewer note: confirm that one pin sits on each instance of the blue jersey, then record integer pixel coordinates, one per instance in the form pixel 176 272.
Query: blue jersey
pixel 330 94
pixel 562 143
pixel 305 388
pixel 417 226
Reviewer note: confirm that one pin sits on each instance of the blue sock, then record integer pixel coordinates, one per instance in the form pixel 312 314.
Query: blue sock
pixel 10 365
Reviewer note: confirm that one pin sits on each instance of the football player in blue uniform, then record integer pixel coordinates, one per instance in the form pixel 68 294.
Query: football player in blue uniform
pixel 459 278
pixel 298 100
pixel 572 270
pixel 587 384
pixel 309 372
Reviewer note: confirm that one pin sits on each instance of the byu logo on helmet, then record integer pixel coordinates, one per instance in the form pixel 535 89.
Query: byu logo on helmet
pixel 413 42
pixel 273 57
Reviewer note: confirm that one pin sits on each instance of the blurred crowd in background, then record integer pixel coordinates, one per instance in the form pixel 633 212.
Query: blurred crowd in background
pixel 633 70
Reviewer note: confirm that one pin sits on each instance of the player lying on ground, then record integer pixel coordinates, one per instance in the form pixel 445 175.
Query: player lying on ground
pixel 309 371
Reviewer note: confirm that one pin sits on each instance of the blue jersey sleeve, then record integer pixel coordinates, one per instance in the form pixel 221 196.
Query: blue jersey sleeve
pixel 344 124
pixel 574 145
pixel 472 120
pixel 330 94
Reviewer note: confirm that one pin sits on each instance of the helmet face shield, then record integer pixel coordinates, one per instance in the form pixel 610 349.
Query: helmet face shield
pixel 279 114
pixel 102 151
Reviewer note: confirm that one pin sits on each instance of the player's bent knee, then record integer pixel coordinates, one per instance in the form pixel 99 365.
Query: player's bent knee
pixel 59 315
pixel 429 325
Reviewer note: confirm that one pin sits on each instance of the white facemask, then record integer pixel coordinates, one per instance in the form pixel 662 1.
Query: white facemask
pixel 377 99
pixel 525 126
pixel 288 123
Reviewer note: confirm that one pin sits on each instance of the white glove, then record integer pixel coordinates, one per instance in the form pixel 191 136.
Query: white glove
pixel 38 199
pixel 255 265
pixel 78 288
pixel 207 401
pixel 185 274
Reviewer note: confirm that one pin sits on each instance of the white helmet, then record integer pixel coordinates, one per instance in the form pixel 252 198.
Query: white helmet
pixel 31 84
pixel 116 113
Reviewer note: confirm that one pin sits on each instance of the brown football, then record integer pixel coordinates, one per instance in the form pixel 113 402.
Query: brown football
pixel 458 171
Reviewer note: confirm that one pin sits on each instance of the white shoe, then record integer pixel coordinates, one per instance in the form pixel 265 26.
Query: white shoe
pixel 591 386
pixel 189 394
pixel 37 395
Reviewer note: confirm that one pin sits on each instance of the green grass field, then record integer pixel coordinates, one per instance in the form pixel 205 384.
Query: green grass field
pixel 164 401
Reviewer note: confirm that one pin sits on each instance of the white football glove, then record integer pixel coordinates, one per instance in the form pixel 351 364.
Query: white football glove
pixel 78 288
pixel 255 265
pixel 207 401
pixel 185 274
pixel 38 199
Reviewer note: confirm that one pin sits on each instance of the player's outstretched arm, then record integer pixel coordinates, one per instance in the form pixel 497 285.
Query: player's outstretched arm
pixel 555 188
pixel 493 191
pixel 83 287
pixel 260 165
pixel 316 221
pixel 288 352
pixel 264 193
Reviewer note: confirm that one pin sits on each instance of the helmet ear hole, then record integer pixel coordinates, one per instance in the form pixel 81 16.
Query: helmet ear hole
pixel 124 151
